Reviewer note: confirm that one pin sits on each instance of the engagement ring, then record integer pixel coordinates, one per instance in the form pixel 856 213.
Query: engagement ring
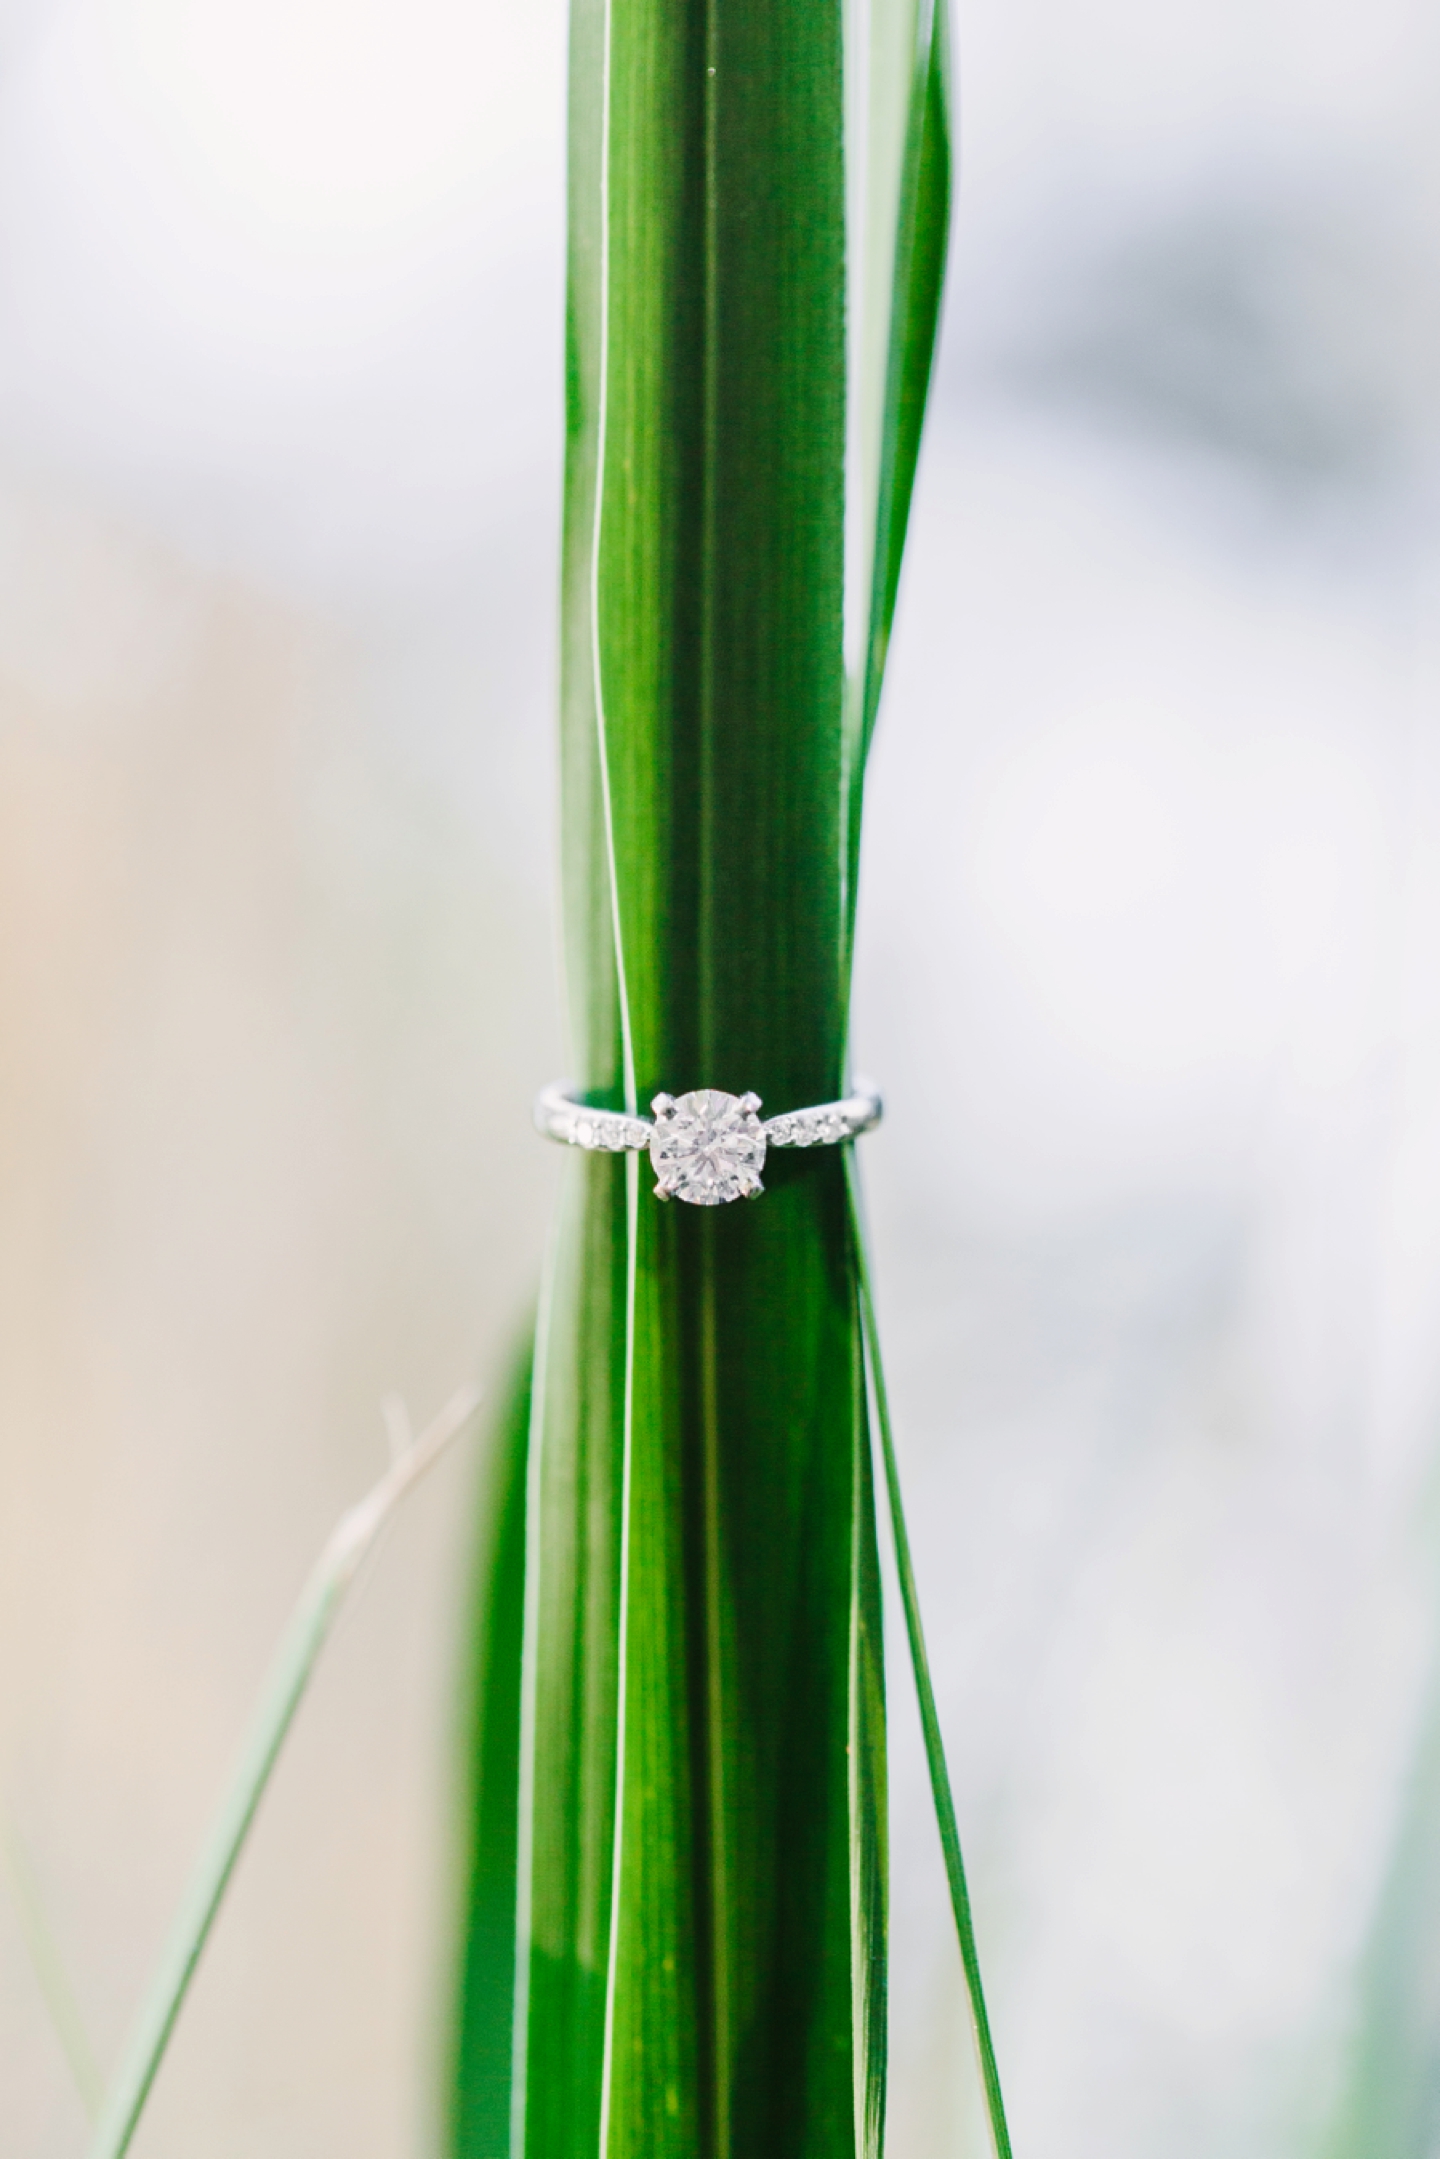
pixel 705 1147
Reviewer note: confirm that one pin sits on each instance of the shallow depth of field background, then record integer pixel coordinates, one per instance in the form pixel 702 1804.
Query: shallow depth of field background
pixel 1150 970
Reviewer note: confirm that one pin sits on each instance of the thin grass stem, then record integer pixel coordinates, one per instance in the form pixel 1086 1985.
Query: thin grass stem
pixel 352 1539
pixel 925 1692
pixel 529 1679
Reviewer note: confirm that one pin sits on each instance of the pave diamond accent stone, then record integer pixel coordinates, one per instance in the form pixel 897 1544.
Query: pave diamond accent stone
pixel 823 1126
pixel 707 1147
pixel 609 1133
pixel 603 1131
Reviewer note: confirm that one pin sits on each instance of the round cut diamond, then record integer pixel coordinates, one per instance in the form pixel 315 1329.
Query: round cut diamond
pixel 707 1147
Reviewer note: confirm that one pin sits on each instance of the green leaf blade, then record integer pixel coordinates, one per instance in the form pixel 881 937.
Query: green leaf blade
pixel 929 1714
pixel 730 2011
pixel 912 257
pixel 483 2043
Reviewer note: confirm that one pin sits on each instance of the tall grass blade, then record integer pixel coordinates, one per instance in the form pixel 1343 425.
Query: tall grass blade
pixel 929 1715
pixel 48 1965
pixel 480 2085
pixel 907 221
pixel 300 1646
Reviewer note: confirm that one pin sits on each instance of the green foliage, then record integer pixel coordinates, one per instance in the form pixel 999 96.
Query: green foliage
pixel 907 233
pixel 480 2096
pixel 696 1931
pixel 699 1845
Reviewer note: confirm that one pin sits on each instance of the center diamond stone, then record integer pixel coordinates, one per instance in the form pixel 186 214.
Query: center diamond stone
pixel 707 1147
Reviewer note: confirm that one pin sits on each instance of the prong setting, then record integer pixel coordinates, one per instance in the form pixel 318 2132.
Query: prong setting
pixel 707 1147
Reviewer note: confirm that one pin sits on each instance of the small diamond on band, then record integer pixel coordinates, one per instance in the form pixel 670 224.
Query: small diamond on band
pixel 706 1147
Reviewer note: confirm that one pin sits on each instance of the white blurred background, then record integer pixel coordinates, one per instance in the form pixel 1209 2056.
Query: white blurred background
pixel 1150 967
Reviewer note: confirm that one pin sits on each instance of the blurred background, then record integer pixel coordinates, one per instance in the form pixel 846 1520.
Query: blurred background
pixel 1150 969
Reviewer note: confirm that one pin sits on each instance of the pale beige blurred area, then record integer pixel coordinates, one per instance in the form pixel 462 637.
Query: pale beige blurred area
pixel 266 1014
pixel 1148 967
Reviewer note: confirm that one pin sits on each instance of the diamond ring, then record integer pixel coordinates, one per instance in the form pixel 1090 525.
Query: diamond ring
pixel 705 1147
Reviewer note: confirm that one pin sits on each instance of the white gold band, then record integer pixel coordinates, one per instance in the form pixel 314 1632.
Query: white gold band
pixel 609 1131
pixel 707 1147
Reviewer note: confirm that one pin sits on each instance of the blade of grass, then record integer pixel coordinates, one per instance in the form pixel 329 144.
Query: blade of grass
pixel 352 1539
pixel 909 219
pixel 910 52
pixel 920 246
pixel 869 1834
pixel 49 1965
pixel 480 2083
pixel 925 1692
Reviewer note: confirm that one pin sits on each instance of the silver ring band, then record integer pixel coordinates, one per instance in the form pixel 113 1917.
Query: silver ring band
pixel 707 1147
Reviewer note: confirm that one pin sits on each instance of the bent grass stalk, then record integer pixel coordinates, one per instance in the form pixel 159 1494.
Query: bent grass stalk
pixel 929 1714
pixel 350 1542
